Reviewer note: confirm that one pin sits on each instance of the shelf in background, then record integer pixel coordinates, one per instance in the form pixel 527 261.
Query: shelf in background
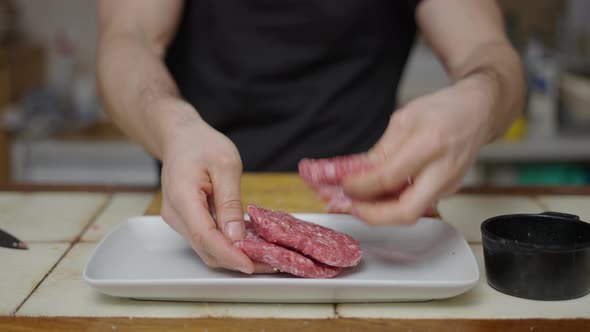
pixel 563 149
pixel 91 161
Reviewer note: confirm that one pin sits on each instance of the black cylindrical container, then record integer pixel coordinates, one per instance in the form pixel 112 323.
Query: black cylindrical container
pixel 537 256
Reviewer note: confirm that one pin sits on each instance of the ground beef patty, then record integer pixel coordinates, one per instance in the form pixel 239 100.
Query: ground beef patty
pixel 283 259
pixel 296 246
pixel 331 171
pixel 320 243
pixel 325 176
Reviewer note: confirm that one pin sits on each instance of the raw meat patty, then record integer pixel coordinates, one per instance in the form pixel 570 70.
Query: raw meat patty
pixel 337 200
pixel 283 259
pixel 322 244
pixel 330 170
pixel 325 176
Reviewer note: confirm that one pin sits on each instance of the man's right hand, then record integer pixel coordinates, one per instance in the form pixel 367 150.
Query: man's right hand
pixel 201 167
pixel 201 194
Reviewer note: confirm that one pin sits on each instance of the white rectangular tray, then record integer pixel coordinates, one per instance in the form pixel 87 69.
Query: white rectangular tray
pixel 144 258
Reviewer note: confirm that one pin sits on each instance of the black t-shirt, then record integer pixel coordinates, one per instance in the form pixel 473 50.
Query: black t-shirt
pixel 287 79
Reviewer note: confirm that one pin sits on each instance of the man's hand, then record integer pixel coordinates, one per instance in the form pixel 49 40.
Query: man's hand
pixel 201 167
pixel 201 194
pixel 432 140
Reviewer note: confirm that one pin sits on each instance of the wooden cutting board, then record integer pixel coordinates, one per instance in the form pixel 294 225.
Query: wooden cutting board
pixel 276 191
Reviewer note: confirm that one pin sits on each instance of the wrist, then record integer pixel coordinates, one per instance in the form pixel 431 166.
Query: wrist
pixel 498 74
pixel 169 117
pixel 485 87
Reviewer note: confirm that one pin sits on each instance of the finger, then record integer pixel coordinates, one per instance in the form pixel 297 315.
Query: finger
pixel 453 189
pixel 206 239
pixel 339 203
pixel 173 220
pixel 211 205
pixel 331 171
pixel 392 140
pixel 228 204
pixel 260 267
pixel 326 192
pixel 429 187
pixel 411 204
pixel 432 212
pixel 398 128
pixel 392 174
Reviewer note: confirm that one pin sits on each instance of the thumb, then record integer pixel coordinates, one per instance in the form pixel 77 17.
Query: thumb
pixel 395 136
pixel 228 205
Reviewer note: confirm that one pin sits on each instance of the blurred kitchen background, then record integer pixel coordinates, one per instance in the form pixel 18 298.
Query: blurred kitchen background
pixel 53 130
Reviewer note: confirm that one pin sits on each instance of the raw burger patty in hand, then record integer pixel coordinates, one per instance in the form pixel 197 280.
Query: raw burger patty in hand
pixel 326 175
pixel 330 171
pixel 320 243
pixel 283 259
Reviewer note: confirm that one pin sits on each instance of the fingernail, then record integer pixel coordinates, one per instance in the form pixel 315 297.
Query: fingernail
pixel 235 230
pixel 245 270
pixel 264 268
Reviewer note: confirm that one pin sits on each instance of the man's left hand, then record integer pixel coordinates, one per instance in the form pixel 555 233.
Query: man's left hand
pixel 433 140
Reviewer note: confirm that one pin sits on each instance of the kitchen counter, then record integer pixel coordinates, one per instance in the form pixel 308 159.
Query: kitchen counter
pixel 42 288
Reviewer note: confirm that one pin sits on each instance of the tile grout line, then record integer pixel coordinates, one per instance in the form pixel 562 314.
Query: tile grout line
pixel 75 241
pixel 47 241
pixel 93 218
pixel 12 314
pixel 82 240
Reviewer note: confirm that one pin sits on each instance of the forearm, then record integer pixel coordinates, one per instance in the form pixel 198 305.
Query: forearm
pixel 139 93
pixel 497 71
pixel 469 38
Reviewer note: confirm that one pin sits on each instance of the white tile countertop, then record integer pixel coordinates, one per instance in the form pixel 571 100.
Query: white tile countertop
pixel 23 270
pixel 62 229
pixel 481 302
pixel 46 216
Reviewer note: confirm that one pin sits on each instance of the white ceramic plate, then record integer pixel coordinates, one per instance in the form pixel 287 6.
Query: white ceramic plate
pixel 144 258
